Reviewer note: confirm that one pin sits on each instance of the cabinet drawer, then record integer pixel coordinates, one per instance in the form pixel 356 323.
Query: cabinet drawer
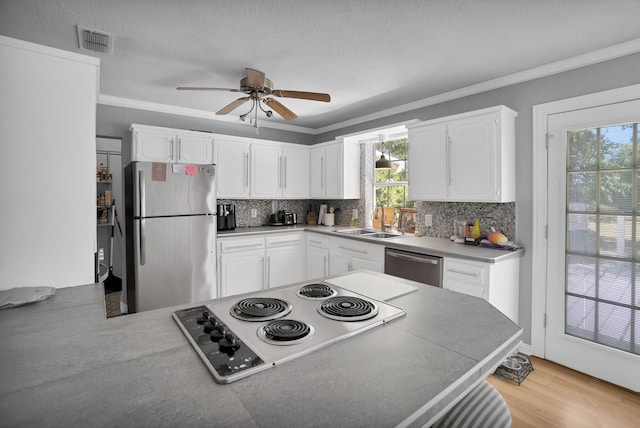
pixel 231 245
pixel 466 271
pixel 282 240
pixel 359 249
pixel 317 240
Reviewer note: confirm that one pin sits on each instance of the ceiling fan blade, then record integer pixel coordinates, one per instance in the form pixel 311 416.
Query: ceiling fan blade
pixel 279 108
pixel 314 96
pixel 255 77
pixel 234 105
pixel 200 88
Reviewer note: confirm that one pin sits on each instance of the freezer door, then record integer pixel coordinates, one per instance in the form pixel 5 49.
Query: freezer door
pixel 161 189
pixel 175 261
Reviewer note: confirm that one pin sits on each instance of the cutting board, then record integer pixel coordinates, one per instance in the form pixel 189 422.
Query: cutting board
pixel 372 286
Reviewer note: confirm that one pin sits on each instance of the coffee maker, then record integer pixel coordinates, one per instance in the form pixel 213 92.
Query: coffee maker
pixel 226 216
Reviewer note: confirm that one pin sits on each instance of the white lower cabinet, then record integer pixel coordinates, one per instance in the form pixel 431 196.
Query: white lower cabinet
pixel 497 283
pixel 285 259
pixel 317 257
pixel 240 265
pixel 348 254
pixel 250 264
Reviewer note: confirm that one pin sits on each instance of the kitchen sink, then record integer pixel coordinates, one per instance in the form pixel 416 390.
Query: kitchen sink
pixel 368 233
pixel 381 235
pixel 357 231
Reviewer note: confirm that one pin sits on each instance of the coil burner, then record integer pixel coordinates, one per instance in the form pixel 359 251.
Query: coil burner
pixel 285 332
pixel 316 291
pixel 260 309
pixel 348 308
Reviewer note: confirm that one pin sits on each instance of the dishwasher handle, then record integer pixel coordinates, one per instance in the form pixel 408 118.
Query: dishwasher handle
pixel 418 259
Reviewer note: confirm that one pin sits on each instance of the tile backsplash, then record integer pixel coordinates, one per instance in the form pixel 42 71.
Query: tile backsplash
pixel 501 216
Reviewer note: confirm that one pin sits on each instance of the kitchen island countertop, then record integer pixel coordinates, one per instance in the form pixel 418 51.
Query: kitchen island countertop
pixel 424 244
pixel 64 364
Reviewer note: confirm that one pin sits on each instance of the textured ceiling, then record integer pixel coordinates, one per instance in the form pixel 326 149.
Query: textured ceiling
pixel 370 55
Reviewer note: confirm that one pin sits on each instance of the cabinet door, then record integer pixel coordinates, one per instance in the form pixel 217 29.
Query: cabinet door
pixel 339 263
pixel 232 168
pixel 333 171
pixel 195 149
pixel 285 265
pixel 241 272
pixel 317 262
pixel 317 172
pixel 152 146
pixel 428 163
pixel 265 171
pixel 472 160
pixel 295 172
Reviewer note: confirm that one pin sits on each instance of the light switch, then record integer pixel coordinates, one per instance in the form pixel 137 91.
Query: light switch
pixel 428 220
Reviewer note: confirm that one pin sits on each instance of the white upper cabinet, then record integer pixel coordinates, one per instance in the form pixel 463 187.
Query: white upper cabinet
pixel 335 171
pixel 279 171
pixel 258 169
pixel 157 144
pixel 468 157
pixel 232 168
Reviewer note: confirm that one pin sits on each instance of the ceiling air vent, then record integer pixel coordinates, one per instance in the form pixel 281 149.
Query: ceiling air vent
pixel 95 40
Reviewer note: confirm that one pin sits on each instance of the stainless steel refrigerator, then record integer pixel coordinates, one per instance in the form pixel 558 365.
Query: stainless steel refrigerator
pixel 171 233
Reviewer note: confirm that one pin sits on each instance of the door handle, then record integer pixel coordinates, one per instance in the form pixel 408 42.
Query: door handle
pixel 353 249
pixel 143 252
pixel 413 258
pixel 142 191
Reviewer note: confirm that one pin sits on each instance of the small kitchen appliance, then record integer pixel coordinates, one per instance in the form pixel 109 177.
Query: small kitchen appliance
pixel 226 217
pixel 238 336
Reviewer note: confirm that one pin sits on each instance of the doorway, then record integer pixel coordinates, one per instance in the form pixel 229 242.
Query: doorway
pixel 591 303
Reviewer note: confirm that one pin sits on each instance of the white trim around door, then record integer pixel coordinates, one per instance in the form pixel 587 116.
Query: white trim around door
pixel 540 174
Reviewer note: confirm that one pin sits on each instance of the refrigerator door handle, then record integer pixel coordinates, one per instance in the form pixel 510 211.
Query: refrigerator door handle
pixel 142 195
pixel 143 256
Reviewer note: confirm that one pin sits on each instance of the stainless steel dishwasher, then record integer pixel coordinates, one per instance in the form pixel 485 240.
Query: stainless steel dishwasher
pixel 414 266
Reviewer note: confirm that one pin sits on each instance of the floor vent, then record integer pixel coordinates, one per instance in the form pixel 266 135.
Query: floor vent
pixel 95 40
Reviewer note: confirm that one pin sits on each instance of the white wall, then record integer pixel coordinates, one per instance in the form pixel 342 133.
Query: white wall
pixel 47 166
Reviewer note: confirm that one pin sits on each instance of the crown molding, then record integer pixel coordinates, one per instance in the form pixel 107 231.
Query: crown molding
pixel 572 63
pixel 110 100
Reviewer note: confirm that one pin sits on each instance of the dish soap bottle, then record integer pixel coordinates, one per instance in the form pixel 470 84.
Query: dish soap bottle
pixel 475 232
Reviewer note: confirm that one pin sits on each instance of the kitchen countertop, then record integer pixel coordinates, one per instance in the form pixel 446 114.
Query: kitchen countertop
pixel 424 244
pixel 63 364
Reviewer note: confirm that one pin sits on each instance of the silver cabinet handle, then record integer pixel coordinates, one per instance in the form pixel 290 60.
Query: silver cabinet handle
pixel 288 241
pixel 449 163
pixel 413 258
pixel 279 172
pixel 246 169
pixel 313 241
pixel 268 272
pixel 322 172
pixel 353 249
pixel 284 173
pixel 143 252
pixel 171 151
pixel 263 269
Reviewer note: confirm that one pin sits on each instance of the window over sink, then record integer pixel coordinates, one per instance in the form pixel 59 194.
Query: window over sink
pixel 390 185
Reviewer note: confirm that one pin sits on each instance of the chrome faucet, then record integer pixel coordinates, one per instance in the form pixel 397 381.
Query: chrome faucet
pixel 382 221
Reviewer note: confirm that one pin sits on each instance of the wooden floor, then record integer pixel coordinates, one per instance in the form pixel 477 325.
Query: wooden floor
pixel 555 396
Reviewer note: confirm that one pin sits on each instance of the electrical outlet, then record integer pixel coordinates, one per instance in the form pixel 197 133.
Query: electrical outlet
pixel 428 220
pixel 254 213
pixel 354 214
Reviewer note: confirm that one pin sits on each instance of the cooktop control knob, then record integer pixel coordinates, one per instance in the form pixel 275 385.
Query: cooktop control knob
pixel 229 343
pixel 202 318
pixel 209 325
pixel 218 333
